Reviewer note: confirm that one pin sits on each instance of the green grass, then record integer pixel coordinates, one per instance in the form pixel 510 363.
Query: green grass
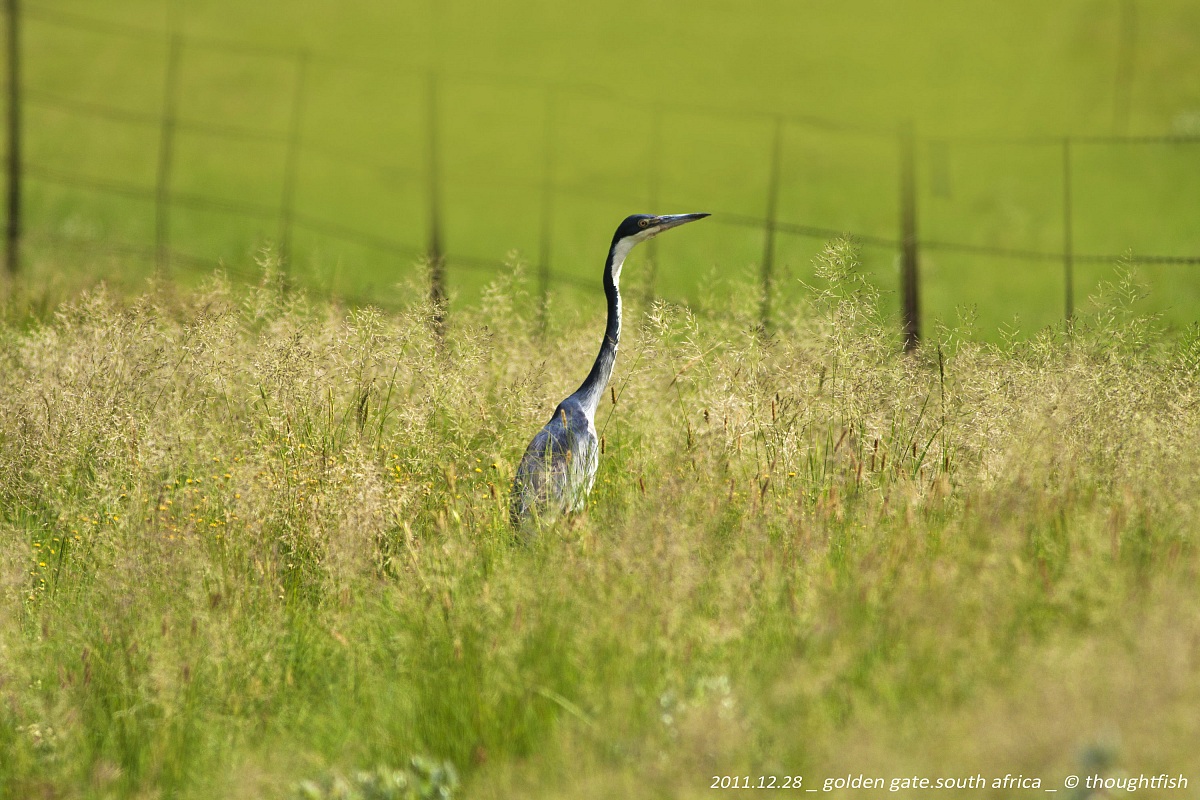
pixel 1024 69
pixel 248 539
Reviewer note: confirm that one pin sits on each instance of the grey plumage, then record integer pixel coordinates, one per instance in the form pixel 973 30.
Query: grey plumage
pixel 559 465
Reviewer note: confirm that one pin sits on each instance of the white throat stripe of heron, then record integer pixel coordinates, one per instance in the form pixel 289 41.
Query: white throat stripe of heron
pixel 559 466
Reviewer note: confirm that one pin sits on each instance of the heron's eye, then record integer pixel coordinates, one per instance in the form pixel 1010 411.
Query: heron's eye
pixel 643 223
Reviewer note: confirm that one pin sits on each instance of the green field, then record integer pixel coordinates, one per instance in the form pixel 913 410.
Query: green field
pixel 248 541
pixel 715 72
pixel 254 541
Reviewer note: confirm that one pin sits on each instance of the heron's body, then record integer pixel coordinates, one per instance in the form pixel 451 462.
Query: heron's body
pixel 559 466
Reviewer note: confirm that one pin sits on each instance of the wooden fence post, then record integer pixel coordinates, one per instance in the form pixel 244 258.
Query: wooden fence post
pixel 910 309
pixel 291 163
pixel 166 146
pixel 545 240
pixel 12 253
pixel 1068 238
pixel 768 259
pixel 437 261
pixel 654 171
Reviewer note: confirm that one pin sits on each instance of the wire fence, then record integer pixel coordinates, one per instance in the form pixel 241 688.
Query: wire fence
pixel 425 179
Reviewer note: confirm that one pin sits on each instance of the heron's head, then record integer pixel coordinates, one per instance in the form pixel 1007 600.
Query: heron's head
pixel 640 227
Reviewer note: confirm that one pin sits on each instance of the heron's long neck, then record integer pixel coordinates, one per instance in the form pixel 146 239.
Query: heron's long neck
pixel 592 388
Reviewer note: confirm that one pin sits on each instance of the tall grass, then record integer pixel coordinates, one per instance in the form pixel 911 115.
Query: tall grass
pixel 249 540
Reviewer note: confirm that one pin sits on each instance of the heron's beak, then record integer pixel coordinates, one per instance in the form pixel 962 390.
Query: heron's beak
pixel 668 221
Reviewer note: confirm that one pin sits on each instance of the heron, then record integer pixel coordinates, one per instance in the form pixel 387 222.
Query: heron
pixel 559 466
